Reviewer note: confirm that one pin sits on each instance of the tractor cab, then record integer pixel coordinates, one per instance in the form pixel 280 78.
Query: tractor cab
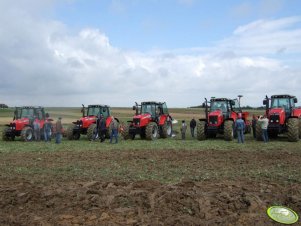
pixel 96 110
pixel 282 103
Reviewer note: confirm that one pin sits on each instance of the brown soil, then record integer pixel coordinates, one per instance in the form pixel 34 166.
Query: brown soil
pixel 49 198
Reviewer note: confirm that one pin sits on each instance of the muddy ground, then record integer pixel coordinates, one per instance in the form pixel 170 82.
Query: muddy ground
pixel 36 189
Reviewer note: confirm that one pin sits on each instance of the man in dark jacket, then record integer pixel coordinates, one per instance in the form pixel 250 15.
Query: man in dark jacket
pixel 192 126
pixel 102 129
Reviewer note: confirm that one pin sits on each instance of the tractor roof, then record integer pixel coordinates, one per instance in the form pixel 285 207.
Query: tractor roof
pixel 30 107
pixel 220 99
pixel 152 102
pixel 98 106
pixel 282 96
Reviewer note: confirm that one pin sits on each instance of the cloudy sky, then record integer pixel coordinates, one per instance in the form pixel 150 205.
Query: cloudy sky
pixel 116 52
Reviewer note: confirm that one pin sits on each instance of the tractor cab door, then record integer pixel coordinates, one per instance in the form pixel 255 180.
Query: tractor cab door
pixel 164 109
pixel 235 105
pixel 17 113
pixel 105 112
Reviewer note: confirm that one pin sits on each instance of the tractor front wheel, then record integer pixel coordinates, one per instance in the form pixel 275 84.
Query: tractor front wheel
pixel 228 130
pixel 70 134
pixel 166 129
pixel 92 132
pixel 293 129
pixel 27 134
pixel 201 130
pixel 151 131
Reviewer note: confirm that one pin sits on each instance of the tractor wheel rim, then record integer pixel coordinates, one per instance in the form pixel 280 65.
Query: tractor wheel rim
pixel 154 132
pixel 168 129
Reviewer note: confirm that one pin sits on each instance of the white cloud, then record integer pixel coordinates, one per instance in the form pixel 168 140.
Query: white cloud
pixel 43 64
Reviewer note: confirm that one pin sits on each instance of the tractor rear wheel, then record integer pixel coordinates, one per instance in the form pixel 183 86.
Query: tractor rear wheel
pixel 258 132
pixel 248 129
pixel 293 129
pixel 201 130
pixel 228 130
pixel 166 129
pixel 27 134
pixel 70 134
pixel 151 131
pixel 92 132
pixel 124 130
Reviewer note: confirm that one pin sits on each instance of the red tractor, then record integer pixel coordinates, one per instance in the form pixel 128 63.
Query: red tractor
pixel 220 119
pixel 283 117
pixel 87 124
pixel 22 124
pixel 150 121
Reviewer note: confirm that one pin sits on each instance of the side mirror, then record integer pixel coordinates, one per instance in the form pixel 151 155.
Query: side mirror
pixel 232 102
pixel 134 108
pixel 104 110
pixel 264 102
pixel 295 100
pixel 203 105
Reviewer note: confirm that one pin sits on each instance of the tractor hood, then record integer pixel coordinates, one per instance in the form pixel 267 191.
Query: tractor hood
pixel 143 116
pixel 216 113
pixel 277 111
pixel 88 118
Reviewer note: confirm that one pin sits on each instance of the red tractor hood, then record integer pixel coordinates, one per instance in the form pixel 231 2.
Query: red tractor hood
pixel 216 113
pixel 143 116
pixel 88 118
pixel 277 111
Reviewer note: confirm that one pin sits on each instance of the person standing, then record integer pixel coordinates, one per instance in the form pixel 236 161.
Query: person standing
pixel 58 130
pixel 36 129
pixel 114 132
pixel 192 126
pixel 183 129
pixel 254 122
pixel 47 129
pixel 102 129
pixel 240 129
pixel 264 123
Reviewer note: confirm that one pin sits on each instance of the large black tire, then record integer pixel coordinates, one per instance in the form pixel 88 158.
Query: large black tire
pixel 142 133
pixel 124 130
pixel 70 134
pixel 166 129
pixel 92 132
pixel 293 129
pixel 228 130
pixel 201 130
pixel 300 128
pixel 4 136
pixel 151 131
pixel 27 134
pixel 248 129
pixel 258 132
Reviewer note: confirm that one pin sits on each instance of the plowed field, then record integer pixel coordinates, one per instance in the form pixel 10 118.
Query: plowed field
pixel 147 186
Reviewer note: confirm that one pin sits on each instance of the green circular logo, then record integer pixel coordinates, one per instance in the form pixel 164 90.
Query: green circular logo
pixel 282 214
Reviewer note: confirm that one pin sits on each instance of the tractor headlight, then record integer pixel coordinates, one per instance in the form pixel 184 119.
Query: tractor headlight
pixel 277 120
pixel 272 120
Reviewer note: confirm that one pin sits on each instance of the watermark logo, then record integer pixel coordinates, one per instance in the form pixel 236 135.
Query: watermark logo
pixel 282 214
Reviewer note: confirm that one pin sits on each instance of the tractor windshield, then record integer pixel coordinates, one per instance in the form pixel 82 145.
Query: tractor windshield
pixel 281 103
pixel 148 108
pixel 219 105
pixel 27 113
pixel 93 111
